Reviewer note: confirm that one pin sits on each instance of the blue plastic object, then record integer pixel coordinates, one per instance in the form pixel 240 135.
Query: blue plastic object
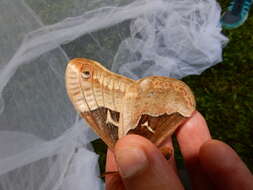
pixel 236 14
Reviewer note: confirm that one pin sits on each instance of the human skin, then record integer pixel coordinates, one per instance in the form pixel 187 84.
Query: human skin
pixel 211 164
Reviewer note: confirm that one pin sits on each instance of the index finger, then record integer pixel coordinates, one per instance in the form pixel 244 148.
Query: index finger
pixel 112 181
pixel 191 136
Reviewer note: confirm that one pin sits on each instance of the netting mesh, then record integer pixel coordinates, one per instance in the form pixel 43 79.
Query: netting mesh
pixel 44 145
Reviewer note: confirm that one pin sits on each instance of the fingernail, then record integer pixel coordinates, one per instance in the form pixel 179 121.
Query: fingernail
pixel 131 161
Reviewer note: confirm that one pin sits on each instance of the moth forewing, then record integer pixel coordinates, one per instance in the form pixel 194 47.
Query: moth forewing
pixel 97 94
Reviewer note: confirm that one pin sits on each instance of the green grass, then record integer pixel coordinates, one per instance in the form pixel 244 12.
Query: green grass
pixel 224 95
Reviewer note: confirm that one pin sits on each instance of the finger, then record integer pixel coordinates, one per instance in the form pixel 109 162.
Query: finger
pixel 190 137
pixel 110 162
pixel 224 166
pixel 142 166
pixel 113 181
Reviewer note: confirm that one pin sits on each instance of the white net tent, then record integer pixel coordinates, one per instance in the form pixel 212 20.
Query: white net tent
pixel 44 145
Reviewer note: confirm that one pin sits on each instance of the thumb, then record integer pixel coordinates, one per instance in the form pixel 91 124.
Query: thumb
pixel 142 166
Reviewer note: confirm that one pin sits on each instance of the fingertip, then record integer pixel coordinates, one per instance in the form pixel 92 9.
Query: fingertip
pixel 215 149
pixel 195 121
pixel 191 135
pixel 142 166
pixel 130 156
pixel 132 140
pixel 145 147
pixel 218 157
pixel 224 166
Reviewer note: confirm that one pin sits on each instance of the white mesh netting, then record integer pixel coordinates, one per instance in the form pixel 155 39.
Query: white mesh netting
pixel 43 143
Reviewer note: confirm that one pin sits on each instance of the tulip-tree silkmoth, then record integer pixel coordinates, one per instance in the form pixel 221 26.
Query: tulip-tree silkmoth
pixel 115 106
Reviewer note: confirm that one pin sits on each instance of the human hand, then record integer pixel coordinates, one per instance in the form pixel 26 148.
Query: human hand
pixel 211 164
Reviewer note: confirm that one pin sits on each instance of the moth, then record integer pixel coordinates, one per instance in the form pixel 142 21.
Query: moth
pixel 114 105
